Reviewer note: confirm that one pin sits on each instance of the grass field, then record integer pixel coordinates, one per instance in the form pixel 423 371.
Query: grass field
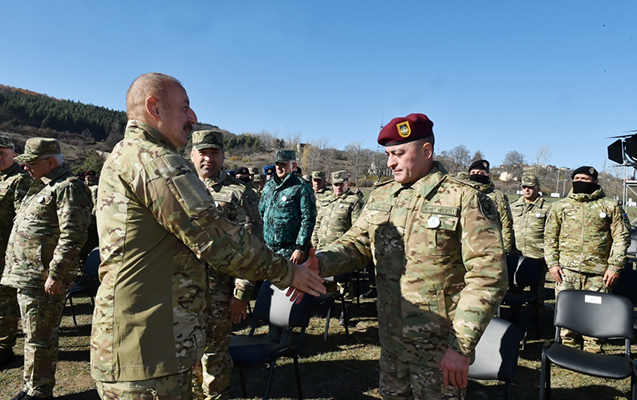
pixel 348 370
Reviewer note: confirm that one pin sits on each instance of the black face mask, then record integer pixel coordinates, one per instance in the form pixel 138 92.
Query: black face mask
pixel 479 178
pixel 584 187
pixel 245 179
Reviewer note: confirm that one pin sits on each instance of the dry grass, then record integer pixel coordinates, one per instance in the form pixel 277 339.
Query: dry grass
pixel 348 370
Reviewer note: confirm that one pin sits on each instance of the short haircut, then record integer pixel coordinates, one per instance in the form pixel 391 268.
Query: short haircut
pixel 150 84
pixel 59 158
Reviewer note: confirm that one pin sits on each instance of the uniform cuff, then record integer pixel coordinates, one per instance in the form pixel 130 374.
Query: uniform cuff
pixel 243 295
pixel 616 269
pixel 454 344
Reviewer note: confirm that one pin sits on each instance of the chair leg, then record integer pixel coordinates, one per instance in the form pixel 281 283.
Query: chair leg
pixel 298 375
pixel 267 385
pixel 545 375
pixel 633 384
pixel 345 314
pixel 507 390
pixel 243 382
pixel 72 310
pixel 327 328
pixel 525 325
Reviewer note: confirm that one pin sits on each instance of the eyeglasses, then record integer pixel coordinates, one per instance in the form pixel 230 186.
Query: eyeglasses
pixel 32 163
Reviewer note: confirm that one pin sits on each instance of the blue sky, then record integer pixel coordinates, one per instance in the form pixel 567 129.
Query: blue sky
pixel 494 76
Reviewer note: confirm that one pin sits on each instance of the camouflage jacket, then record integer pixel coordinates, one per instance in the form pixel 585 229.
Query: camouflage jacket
pixel 158 226
pixel 237 202
pixel 587 233
pixel 528 225
pixel 93 188
pixel 335 217
pixel 288 211
pixel 48 232
pixel 14 185
pixel 504 214
pixel 440 265
pixel 321 196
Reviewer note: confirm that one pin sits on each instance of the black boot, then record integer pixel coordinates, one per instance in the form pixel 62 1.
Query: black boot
pixel 6 358
pixel 20 396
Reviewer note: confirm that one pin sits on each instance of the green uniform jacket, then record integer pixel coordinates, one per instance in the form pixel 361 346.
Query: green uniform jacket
pixel 48 232
pixel 504 214
pixel 321 196
pixel 335 217
pixel 288 211
pixel 238 203
pixel 440 265
pixel 158 225
pixel 587 233
pixel 14 185
pixel 528 225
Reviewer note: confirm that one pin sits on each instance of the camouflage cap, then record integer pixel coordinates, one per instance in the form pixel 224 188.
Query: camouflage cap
pixel 339 176
pixel 530 180
pixel 254 171
pixel 210 139
pixel 284 156
pixel 259 178
pixel 36 147
pixel 6 143
pixel 318 175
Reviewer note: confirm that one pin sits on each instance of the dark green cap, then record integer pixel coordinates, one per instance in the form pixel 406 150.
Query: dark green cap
pixel 6 143
pixel 318 175
pixel 284 155
pixel 210 139
pixel 339 176
pixel 36 147
pixel 530 180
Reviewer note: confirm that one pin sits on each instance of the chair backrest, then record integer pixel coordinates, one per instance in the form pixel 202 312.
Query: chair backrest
pixel 601 315
pixel 524 271
pixel 497 352
pixel 92 263
pixel 627 283
pixel 274 307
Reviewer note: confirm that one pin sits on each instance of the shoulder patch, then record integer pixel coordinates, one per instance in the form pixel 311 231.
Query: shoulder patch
pixel 193 193
pixel 487 207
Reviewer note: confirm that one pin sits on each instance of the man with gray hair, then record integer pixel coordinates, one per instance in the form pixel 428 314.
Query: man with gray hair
pixel 14 184
pixel 158 225
pixel 48 233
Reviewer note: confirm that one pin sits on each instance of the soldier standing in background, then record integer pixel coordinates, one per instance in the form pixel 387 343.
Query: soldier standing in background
pixel 440 266
pixel 288 211
pixel 585 241
pixel 321 190
pixel 42 257
pixel 158 225
pixel 239 204
pixel 479 173
pixel 14 185
pixel 259 183
pixel 529 218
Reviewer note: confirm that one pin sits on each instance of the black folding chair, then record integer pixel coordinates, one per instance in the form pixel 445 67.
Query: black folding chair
pixel 326 301
pixel 600 315
pixel 87 283
pixel 497 354
pixel 275 308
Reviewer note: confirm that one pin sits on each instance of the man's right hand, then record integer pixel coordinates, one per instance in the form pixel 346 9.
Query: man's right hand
pixel 306 279
pixel 556 273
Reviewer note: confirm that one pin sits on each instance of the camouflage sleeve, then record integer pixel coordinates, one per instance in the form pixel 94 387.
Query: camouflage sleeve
pixel 308 218
pixel 73 208
pixel 317 226
pixel 23 183
pixel 349 253
pixel 249 205
pixel 182 205
pixel 620 232
pixel 243 289
pixel 552 238
pixel 506 222
pixel 356 210
pixel 486 278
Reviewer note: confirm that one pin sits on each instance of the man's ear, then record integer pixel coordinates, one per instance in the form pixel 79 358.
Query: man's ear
pixel 152 107
pixel 427 149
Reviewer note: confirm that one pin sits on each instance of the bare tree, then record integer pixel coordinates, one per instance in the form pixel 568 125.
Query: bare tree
pixel 293 140
pixel 478 155
pixel 542 157
pixel 456 159
pixel 513 164
pixel 354 153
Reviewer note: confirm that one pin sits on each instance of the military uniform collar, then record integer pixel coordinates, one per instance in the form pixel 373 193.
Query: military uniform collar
pixel 138 129
pixel 55 174
pixel 13 168
pixel 584 197
pixel 425 184
pixel 220 177
pixel 484 187
pixel 289 178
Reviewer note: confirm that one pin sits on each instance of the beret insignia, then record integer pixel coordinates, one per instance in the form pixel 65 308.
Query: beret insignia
pixel 404 130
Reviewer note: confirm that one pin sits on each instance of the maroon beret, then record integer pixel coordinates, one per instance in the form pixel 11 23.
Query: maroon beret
pixel 406 129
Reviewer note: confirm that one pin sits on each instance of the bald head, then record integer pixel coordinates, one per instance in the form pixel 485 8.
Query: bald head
pixel 150 84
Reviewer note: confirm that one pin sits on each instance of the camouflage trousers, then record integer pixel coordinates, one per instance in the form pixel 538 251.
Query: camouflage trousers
pixel 404 381
pixel 171 387
pixel 41 315
pixel 9 316
pixel 216 361
pixel 574 280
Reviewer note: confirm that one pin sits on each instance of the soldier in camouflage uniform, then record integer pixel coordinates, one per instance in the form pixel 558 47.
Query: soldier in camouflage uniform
pixel 239 204
pixel 158 225
pixel 288 211
pixel 585 242
pixel 259 183
pixel 321 190
pixel 529 218
pixel 479 173
pixel 42 257
pixel 440 266
pixel 14 184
